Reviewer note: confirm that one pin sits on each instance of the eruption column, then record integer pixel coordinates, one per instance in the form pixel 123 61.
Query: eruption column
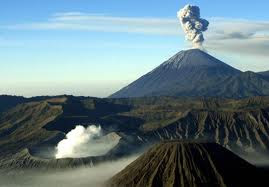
pixel 193 26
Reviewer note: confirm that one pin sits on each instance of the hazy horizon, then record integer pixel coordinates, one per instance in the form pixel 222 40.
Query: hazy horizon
pixel 94 49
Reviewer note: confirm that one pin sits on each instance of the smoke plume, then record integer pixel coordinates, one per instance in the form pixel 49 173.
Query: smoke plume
pixel 193 26
pixel 83 142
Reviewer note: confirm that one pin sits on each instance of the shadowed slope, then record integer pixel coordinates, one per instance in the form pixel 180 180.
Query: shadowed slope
pixel 265 74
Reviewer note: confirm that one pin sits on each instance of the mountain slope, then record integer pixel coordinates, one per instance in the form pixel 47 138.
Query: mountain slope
pixel 241 125
pixel 22 126
pixel 195 73
pixel 240 131
pixel 265 74
pixel 173 163
pixel 7 102
pixel 245 84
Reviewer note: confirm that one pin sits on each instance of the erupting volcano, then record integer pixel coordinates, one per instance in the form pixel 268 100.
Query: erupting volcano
pixel 195 73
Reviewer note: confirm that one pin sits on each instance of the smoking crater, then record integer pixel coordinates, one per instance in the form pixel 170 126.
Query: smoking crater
pixel 84 142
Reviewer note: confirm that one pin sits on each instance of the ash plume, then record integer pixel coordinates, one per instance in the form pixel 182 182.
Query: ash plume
pixel 193 26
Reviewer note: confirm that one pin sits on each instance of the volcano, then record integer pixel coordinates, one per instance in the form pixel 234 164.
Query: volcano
pixel 174 163
pixel 195 73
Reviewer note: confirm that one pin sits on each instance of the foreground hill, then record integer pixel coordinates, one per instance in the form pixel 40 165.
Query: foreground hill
pixel 173 163
pixel 196 73
pixel 30 131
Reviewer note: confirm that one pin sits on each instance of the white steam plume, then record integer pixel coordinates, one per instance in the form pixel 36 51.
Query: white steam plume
pixel 83 142
pixel 193 26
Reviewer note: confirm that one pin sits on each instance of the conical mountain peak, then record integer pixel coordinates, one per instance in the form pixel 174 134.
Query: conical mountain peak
pixel 193 58
pixel 195 73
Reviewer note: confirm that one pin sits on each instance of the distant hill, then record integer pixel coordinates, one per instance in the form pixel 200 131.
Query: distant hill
pixel 7 102
pixel 173 164
pixel 197 74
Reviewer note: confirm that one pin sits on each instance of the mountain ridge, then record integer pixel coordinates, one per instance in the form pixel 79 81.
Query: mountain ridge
pixel 239 125
pixel 195 73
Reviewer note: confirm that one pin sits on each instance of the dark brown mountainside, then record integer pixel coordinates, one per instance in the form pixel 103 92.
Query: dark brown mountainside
pixel 246 131
pixel 241 125
pixel 177 164
pixel 8 101
pixel 22 126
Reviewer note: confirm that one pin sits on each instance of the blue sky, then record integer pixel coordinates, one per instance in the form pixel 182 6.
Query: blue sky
pixel 95 47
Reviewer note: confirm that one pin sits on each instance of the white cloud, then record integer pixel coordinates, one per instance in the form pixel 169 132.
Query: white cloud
pixel 101 23
pixel 239 36
pixel 224 34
